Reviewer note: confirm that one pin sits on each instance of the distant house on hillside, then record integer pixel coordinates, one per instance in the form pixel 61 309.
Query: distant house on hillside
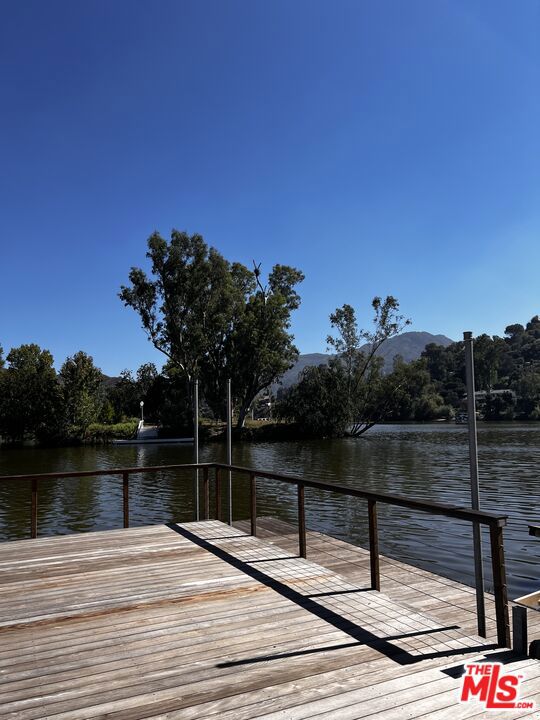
pixel 495 404
pixel 482 395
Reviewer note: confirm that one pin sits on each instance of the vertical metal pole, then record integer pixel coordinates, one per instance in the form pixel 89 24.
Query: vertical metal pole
pixel 374 546
pixel 33 510
pixel 196 445
pixel 475 494
pixel 302 521
pixel 125 495
pixel 229 446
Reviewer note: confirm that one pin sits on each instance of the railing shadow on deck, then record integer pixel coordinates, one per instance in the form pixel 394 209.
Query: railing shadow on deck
pixel 360 635
pixel 494 521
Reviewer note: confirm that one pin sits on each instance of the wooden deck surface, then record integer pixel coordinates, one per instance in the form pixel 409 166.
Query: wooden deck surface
pixel 448 600
pixel 201 620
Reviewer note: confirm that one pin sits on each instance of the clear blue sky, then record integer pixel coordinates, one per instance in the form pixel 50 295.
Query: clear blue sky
pixel 381 147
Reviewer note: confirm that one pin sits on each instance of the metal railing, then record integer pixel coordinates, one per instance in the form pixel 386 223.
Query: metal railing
pixel 494 521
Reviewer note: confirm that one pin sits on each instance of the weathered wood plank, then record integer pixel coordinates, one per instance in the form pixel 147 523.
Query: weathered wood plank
pixel 209 621
pixel 419 588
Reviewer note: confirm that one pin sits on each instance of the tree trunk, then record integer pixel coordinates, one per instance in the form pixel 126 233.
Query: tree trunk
pixel 242 414
pixel 360 428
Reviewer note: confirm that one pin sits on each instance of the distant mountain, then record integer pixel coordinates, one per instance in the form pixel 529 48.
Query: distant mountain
pixel 409 345
pixel 110 381
pixel 291 376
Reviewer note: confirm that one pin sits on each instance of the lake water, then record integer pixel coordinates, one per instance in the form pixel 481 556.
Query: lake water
pixel 418 461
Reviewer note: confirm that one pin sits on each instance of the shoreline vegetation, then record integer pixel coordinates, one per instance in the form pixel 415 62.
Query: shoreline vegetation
pixel 256 431
pixel 217 321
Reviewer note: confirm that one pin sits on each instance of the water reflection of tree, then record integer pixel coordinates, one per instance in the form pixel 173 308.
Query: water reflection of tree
pixel 160 497
pixel 15 510
pixel 81 504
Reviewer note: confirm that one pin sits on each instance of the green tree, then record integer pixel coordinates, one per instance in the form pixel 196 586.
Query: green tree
pixel 446 366
pixel 350 394
pixel 146 378
pixel 316 403
pixel 124 397
pixel 500 407
pixel 367 397
pixel 437 362
pixel 148 389
pixel 30 397
pixel 510 363
pixel 412 393
pixel 262 349
pixel 187 304
pixel 215 320
pixel 128 391
pixel 171 402
pixel 81 384
pixel 528 393
pixel 488 353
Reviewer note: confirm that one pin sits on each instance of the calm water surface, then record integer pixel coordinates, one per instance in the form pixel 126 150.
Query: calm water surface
pixel 419 461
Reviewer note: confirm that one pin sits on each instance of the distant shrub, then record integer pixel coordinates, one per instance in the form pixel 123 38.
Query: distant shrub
pixel 100 432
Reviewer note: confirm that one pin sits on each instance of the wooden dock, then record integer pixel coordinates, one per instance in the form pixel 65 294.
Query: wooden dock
pixel 202 620
pixel 445 599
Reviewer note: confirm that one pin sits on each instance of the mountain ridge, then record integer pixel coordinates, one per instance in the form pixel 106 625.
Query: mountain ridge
pixel 409 345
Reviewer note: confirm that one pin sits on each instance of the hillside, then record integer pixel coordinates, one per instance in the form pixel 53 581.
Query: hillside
pixel 409 345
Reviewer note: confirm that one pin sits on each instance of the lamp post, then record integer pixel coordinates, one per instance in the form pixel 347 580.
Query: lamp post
pixel 142 410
